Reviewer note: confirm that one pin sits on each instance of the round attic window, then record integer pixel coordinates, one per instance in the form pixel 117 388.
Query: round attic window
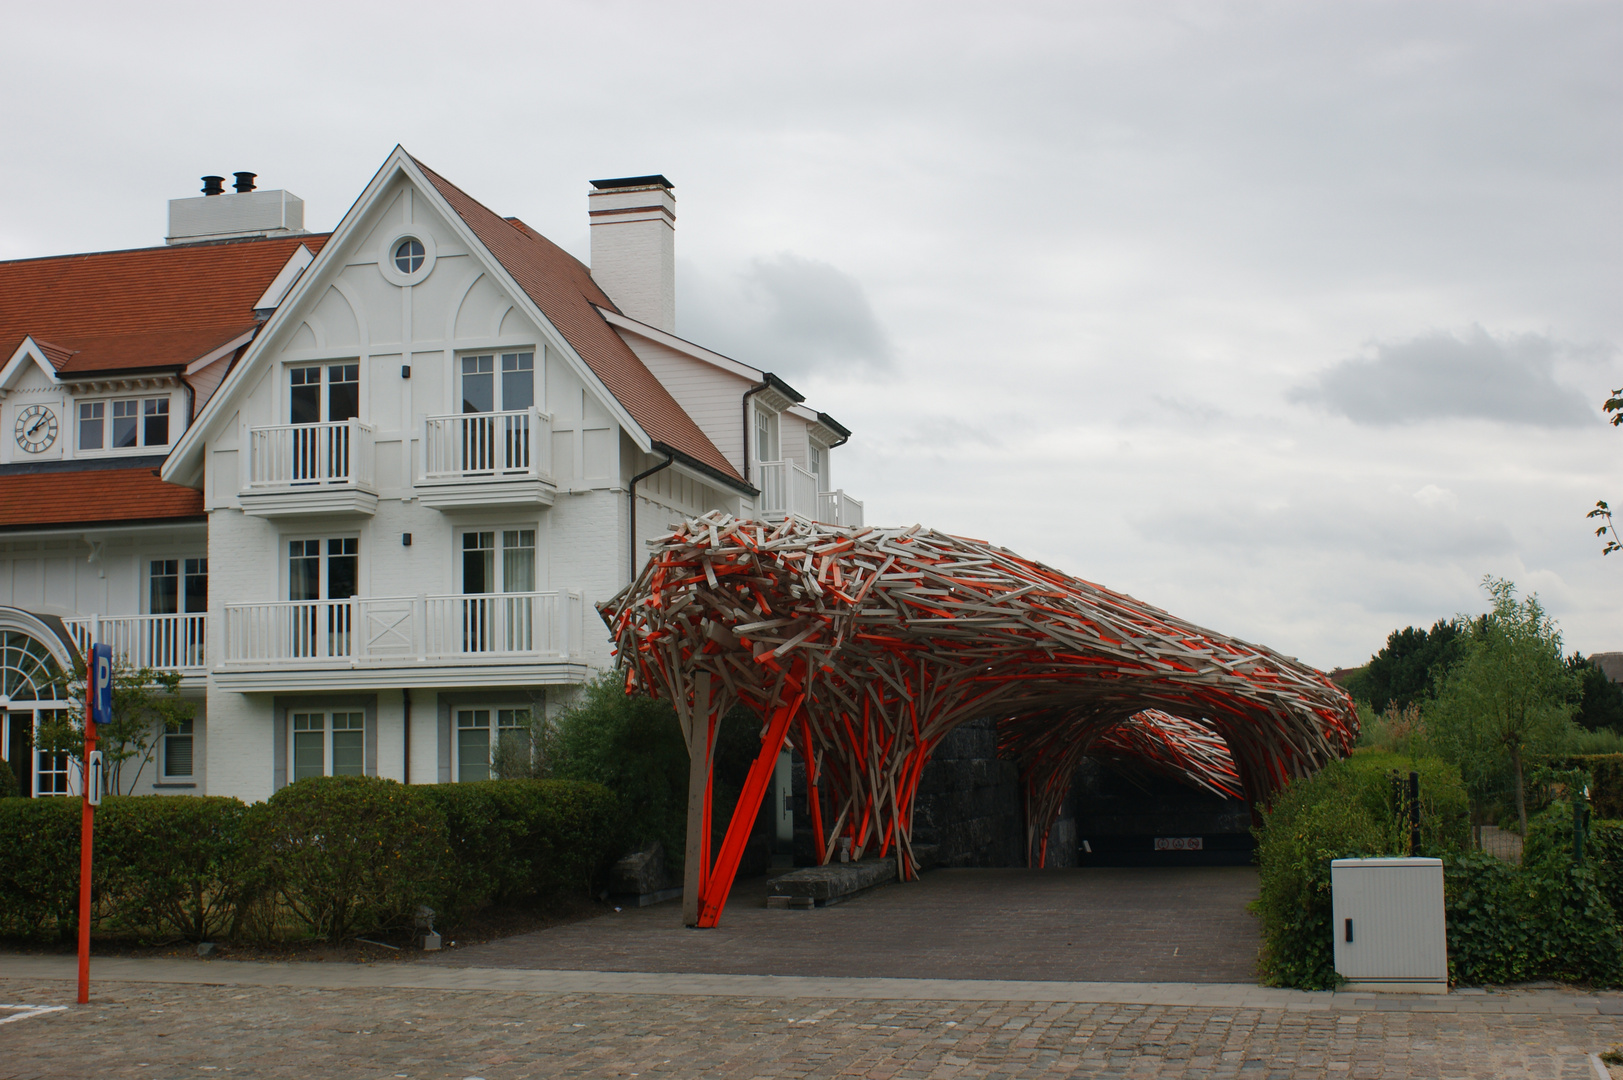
pixel 409 256
pixel 406 257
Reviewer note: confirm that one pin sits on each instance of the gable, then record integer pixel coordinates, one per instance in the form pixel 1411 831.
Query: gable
pixel 462 295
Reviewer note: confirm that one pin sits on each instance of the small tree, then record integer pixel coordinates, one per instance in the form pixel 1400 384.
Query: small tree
pixel 1508 696
pixel 146 704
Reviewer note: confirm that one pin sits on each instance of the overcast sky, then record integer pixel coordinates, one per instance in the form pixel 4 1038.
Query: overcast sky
pixel 1293 319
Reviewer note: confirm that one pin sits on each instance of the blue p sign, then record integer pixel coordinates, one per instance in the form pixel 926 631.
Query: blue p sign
pixel 101 684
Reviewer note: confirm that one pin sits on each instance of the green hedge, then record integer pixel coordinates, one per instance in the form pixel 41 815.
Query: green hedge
pixel 1548 918
pixel 511 841
pixel 1606 772
pixel 330 857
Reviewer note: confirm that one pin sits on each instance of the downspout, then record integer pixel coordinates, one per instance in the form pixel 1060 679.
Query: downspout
pixel 631 494
pixel 405 728
pixel 745 406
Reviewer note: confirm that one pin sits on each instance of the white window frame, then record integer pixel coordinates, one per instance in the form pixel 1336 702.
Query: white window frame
pixel 498 558
pixel 328 730
pixel 322 572
pixel 324 398
pixel 494 728
pixel 107 449
pixel 182 561
pixel 498 395
pixel 188 732
pixel 767 419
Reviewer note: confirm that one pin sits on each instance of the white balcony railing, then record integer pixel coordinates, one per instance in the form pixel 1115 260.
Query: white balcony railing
pixel 334 454
pixel 401 628
pixel 838 508
pixel 151 641
pixel 788 490
pixel 475 445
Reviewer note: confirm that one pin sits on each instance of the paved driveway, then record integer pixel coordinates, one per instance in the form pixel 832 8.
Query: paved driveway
pixel 1091 925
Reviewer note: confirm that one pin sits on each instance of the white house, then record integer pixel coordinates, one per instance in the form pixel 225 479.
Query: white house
pixel 361 488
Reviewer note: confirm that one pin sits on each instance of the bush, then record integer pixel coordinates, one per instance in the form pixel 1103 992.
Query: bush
pixel 1489 937
pixel 9 788
pixel 341 855
pixel 517 840
pixel 39 867
pixel 633 746
pixel 175 865
pixel 1346 811
pixel 348 855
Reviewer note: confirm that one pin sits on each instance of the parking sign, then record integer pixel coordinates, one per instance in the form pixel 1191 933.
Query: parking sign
pixel 101 684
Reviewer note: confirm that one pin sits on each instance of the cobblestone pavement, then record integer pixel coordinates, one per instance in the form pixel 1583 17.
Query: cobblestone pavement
pixel 234 1024
pixel 1186 924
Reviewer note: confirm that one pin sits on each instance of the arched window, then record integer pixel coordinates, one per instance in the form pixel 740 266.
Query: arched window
pixel 28 672
pixel 33 688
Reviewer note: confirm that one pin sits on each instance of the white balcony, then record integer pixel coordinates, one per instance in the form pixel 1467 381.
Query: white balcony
pixel 787 490
pixel 405 631
pixel 311 469
pixel 169 642
pixel 486 459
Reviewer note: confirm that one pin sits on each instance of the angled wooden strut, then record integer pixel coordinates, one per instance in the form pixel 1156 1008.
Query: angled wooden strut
pixel 868 646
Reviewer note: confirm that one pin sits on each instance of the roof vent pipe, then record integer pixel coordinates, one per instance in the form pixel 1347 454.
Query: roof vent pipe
pixel 245 181
pixel 214 185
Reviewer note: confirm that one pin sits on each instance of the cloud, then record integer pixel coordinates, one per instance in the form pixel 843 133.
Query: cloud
pixel 786 314
pixel 1436 376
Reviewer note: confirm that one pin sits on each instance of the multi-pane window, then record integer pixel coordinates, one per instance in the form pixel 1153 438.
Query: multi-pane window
pixel 409 256
pixel 53 766
pixel 480 565
pixel 814 461
pixel 328 744
pixel 177 752
pixel 333 388
pixel 134 422
pixel 323 569
pixel 155 422
pixel 766 435
pixel 498 623
pixel 92 424
pixel 483 392
pixel 485 737
pixel 179 585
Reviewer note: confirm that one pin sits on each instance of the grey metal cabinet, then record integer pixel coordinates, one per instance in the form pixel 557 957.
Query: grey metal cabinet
pixel 1389 924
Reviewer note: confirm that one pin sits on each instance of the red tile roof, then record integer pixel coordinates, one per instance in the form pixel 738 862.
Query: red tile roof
pixel 93 495
pixel 144 308
pixel 564 291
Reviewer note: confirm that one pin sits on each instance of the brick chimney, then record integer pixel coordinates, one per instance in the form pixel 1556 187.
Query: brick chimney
pixel 633 222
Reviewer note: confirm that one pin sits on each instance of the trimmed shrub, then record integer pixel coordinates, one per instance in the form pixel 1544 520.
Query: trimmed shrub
pixel 174 865
pixel 512 841
pixel 348 855
pixel 39 867
pixel 1348 810
pixel 9 788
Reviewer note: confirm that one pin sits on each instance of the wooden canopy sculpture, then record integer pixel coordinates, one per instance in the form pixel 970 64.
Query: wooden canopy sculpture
pixel 867 646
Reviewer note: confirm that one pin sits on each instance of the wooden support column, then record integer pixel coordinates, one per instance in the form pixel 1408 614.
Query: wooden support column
pixel 701 761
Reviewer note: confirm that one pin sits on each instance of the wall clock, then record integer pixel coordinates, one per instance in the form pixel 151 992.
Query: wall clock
pixel 36 429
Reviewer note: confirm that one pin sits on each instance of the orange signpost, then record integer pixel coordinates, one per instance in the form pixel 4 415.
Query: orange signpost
pixel 98 709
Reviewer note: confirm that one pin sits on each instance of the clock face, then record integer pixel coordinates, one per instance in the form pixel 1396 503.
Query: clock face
pixel 36 429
